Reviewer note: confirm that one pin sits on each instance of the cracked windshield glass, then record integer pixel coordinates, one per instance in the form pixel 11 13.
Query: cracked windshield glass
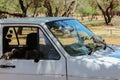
pixel 75 38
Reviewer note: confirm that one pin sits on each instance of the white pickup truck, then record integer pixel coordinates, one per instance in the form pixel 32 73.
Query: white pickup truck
pixel 54 48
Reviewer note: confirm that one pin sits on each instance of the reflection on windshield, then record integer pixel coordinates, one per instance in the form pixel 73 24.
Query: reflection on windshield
pixel 75 38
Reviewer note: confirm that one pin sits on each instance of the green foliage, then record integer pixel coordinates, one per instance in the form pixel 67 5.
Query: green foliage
pixel 106 3
pixel 94 23
pixel 87 7
pixel 9 5
pixel 57 4
pixel 84 7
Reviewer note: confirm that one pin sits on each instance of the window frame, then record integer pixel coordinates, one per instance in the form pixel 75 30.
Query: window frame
pixel 39 28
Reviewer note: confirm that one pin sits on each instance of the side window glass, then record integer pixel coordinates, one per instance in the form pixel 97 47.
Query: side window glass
pixel 27 43
pixel 7 39
pixel 11 37
pixel 46 47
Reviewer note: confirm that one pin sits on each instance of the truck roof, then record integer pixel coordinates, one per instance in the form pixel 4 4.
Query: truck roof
pixel 35 20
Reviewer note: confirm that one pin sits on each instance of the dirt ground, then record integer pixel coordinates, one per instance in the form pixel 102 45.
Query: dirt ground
pixel 113 40
pixel 110 35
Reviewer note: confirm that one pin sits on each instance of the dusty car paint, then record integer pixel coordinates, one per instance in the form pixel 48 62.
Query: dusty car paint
pixel 101 64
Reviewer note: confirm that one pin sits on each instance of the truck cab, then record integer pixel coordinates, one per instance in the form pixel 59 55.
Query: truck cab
pixel 55 48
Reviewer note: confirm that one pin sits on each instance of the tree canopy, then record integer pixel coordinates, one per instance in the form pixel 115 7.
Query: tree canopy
pixel 108 8
pixel 24 8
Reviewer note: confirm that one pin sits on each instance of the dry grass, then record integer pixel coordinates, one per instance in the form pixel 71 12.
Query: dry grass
pixel 110 36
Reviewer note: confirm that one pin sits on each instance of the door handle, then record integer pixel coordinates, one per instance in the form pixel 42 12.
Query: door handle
pixel 7 66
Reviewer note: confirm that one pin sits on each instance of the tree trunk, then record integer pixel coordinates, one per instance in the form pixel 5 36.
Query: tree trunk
pixel 19 31
pixel 107 13
pixel 56 11
pixel 12 14
pixel 23 8
pixel 68 12
pixel 49 8
pixel 24 13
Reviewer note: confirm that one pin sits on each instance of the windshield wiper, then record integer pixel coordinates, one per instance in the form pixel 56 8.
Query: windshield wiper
pixel 97 41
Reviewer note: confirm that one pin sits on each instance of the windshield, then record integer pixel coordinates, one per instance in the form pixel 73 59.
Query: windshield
pixel 74 37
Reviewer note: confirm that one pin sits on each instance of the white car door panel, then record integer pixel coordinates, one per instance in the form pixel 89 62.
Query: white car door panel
pixel 27 69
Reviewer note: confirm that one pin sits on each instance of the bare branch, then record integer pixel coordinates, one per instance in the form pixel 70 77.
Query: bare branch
pixel 69 10
pixel 28 5
pixel 12 14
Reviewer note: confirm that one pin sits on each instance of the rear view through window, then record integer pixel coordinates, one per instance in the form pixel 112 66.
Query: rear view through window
pixel 27 43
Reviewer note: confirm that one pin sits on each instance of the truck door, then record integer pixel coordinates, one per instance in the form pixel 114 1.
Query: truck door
pixel 28 54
